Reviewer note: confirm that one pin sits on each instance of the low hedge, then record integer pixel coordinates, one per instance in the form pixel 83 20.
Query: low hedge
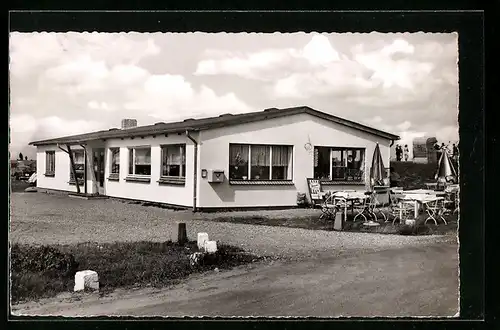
pixel 44 271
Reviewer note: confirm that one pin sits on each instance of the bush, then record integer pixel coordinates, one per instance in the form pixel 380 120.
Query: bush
pixel 47 270
pixel 41 270
pixel 44 259
pixel 225 257
pixel 302 200
pixel 419 228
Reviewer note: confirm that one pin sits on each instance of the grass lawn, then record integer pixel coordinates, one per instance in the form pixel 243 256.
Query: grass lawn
pixel 18 185
pixel 313 222
pixel 44 271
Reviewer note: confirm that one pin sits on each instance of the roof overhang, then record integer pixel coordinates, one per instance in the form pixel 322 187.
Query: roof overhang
pixel 104 135
pixel 211 123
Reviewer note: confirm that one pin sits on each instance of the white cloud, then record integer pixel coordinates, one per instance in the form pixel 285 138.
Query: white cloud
pixel 403 73
pixel 270 64
pixel 96 105
pixel 81 77
pixel 320 51
pixel 25 128
pixel 164 96
pixel 253 66
pixel 340 78
pixel 398 46
pixel 391 74
pixel 404 126
pixel 82 74
pixel 31 50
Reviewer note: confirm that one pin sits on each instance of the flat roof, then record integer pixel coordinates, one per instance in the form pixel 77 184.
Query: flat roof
pixel 210 123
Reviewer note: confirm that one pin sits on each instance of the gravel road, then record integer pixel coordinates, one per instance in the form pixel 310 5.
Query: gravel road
pixel 38 218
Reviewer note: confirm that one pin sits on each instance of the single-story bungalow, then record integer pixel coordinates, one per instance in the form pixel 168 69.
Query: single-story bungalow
pixel 258 159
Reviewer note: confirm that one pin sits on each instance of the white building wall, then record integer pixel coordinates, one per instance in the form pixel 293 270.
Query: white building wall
pixel 294 130
pixel 153 191
pixel 213 153
pixel 181 195
pixel 60 181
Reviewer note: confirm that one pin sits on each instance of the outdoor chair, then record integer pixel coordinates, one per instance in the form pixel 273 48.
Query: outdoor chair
pixel 361 207
pixel 435 209
pixel 449 202
pixel 457 202
pixel 328 207
pixel 401 210
pixel 374 206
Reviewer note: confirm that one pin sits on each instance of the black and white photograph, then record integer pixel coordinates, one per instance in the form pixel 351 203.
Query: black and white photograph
pixel 234 174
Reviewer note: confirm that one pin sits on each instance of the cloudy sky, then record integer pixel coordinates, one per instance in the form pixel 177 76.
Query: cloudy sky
pixel 70 83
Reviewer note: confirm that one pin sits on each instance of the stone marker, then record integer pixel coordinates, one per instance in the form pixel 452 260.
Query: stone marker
pixel 338 223
pixel 86 279
pixel 210 246
pixel 179 234
pixel 202 238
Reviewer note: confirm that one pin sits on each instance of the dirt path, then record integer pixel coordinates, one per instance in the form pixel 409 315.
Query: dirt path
pixel 410 281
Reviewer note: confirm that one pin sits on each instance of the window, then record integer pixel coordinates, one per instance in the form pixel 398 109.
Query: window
pixel 260 162
pixel 339 164
pixel 139 161
pixel 173 161
pixel 115 160
pixel 79 160
pixel 50 163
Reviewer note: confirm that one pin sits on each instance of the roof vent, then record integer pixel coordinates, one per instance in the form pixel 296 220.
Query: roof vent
pixel 159 123
pixel 226 115
pixel 129 123
pixel 114 129
pixel 271 109
pixel 189 119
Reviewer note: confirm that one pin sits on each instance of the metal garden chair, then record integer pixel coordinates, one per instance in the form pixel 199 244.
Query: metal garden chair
pixel 435 209
pixel 328 207
pixel 401 210
pixel 373 207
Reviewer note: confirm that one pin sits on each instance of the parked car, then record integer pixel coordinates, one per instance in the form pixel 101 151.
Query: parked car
pixel 24 176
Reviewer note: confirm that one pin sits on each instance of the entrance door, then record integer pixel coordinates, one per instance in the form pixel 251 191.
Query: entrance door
pixel 99 169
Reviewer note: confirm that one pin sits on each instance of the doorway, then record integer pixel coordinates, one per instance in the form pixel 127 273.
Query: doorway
pixel 99 165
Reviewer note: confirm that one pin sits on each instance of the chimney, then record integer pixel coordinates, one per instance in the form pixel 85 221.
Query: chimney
pixel 129 123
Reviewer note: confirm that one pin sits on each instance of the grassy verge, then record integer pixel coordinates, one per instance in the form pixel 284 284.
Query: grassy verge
pixel 314 223
pixel 44 271
pixel 18 185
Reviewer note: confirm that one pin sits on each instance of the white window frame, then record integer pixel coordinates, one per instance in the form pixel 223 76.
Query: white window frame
pixel 182 147
pixel 111 160
pixel 342 149
pixel 50 153
pixel 249 178
pixel 133 161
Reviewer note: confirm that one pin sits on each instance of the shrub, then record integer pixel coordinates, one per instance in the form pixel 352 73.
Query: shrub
pixel 39 271
pixel 225 257
pixel 44 259
pixel 419 228
pixel 302 200
pixel 47 270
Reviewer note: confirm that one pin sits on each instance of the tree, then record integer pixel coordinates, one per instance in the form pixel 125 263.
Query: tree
pixel 21 156
pixel 25 157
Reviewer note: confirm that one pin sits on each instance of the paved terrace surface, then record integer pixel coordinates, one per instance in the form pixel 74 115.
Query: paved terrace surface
pixel 39 218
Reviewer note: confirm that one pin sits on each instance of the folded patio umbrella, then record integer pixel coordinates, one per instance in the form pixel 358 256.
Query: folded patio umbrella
pixel 377 171
pixel 445 167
